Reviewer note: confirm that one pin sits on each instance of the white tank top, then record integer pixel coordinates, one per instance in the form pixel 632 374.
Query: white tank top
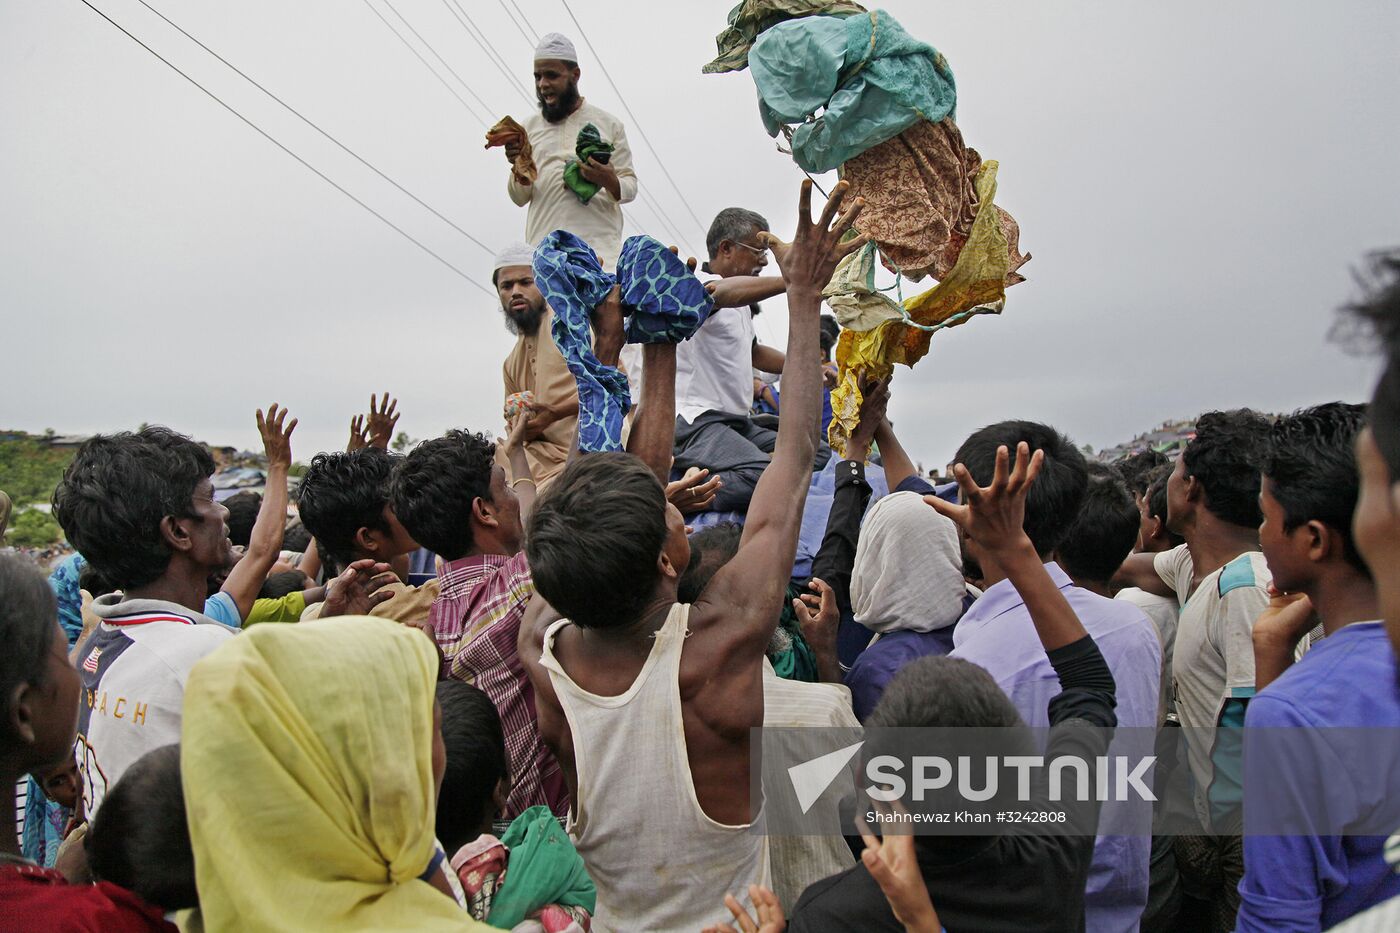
pixel 658 861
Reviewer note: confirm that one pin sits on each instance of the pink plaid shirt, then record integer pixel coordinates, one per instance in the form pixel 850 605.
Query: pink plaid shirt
pixel 476 620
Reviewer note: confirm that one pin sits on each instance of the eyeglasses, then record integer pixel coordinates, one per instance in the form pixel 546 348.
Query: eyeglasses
pixel 756 250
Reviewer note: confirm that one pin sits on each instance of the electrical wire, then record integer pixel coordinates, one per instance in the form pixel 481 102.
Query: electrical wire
pixel 429 47
pixel 531 42
pixel 299 115
pixel 492 55
pixel 635 122
pixel 261 132
pixel 431 70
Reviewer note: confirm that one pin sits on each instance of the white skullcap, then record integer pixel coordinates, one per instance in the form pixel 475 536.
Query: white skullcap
pixel 555 46
pixel 514 254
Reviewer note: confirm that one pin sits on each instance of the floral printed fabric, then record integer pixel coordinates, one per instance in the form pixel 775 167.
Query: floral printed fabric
pixel 975 285
pixel 921 200
pixel 663 303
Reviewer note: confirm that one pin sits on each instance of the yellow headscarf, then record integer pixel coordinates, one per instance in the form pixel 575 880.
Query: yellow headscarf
pixel 306 753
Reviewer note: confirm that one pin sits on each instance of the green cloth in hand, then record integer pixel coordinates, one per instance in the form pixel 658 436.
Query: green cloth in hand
pixel 590 143
pixel 544 869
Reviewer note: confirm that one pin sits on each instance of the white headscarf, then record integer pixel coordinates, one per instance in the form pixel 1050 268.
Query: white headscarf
pixel 908 569
pixel 555 47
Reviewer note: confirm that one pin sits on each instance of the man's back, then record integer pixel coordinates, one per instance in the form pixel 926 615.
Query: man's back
pixel 639 803
pixel 133 670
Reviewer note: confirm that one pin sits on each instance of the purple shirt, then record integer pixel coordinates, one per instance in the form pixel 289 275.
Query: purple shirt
pixel 878 664
pixel 1328 776
pixel 997 634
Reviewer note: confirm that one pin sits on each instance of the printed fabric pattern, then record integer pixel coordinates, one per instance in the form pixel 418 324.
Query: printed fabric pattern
pixel 663 303
pixel 750 18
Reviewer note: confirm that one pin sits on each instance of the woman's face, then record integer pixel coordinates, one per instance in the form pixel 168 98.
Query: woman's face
pixel 439 750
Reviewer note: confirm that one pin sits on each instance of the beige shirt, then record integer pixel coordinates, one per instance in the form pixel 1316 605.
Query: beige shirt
pixel 536 365
pixel 552 206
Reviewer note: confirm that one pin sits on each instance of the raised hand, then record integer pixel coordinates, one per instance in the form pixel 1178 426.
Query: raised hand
pixel 609 335
pixel 895 868
pixel 994 515
pixel 359 589
pixel 819 618
pixel 693 492
pixel 875 397
pixel 765 902
pixel 382 420
pixel 516 430
pixel 359 439
pixel 277 441
pixel 810 259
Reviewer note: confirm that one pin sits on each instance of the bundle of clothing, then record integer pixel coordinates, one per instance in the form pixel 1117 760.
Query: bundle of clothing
pixel 508 132
pixel 662 302
pixel 588 145
pixel 852 91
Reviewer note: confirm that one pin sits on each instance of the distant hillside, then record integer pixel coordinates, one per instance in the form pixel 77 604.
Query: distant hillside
pixel 31 466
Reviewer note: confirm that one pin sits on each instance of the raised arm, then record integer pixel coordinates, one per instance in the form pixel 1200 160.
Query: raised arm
pixel 750 589
pixel 265 543
pixel 653 436
pixel 740 291
pixel 898 467
pixel 1140 570
pixel 837 556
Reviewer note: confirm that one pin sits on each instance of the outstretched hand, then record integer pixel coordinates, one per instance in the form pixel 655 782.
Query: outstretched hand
pixel 809 261
pixel 994 515
pixel 359 589
pixel 382 420
pixel 895 867
pixel 359 437
pixel 277 441
pixel 765 902
pixel 694 492
pixel 875 398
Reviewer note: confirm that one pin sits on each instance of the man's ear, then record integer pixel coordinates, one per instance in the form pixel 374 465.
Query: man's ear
pixel 1195 492
pixel 1322 542
pixel 484 512
pixel 366 541
pixel 174 533
pixel 663 564
pixel 21 722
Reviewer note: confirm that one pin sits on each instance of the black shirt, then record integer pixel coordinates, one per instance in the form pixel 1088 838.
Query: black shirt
pixel 994 883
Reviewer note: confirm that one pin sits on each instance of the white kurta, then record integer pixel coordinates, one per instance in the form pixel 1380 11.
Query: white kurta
pixel 552 206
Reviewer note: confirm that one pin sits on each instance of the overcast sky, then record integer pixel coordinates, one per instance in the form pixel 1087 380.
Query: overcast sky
pixel 1195 181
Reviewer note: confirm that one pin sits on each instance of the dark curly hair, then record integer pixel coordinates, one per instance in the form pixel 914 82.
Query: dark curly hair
pixel 1311 468
pixel 434 488
pixel 1105 530
pixel 1054 498
pixel 1156 496
pixel 594 540
pixel 476 762
pixel 342 493
pixel 1135 468
pixel 28 609
pixel 1379 312
pixel 243 510
pixel 116 492
pixel 1225 458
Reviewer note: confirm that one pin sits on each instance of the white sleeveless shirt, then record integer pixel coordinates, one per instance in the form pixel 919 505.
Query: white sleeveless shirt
pixel 658 861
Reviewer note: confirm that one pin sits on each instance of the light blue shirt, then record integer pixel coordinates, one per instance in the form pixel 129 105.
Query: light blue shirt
pixel 221 608
pixel 998 635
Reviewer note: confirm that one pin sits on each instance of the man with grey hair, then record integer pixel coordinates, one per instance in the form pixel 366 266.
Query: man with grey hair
pixel 714 368
pixel 553 132
pixel 534 374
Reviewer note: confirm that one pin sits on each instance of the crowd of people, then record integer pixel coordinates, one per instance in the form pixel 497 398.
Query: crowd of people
pixel 514 682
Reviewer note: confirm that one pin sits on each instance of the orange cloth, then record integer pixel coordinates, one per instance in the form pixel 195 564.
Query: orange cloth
pixel 508 132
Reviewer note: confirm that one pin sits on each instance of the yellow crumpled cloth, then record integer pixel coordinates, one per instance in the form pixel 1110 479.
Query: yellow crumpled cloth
pixel 877 336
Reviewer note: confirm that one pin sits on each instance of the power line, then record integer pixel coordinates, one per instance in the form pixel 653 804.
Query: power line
pixel 298 114
pixel 431 70
pixel 261 132
pixel 635 122
pixel 526 20
pixel 491 54
pixel 459 78
pixel 528 41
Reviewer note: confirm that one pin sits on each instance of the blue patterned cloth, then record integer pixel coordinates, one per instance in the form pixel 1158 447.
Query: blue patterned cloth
pixel 44 822
pixel 64 582
pixel 663 303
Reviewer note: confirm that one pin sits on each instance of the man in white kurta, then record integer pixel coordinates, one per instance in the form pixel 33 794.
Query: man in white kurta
pixel 553 133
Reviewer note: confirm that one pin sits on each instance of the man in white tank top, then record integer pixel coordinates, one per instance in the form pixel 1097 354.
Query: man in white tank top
pixel 647 702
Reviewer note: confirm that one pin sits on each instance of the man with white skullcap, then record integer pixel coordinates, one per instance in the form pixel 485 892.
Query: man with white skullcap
pixel 534 366
pixel 553 133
